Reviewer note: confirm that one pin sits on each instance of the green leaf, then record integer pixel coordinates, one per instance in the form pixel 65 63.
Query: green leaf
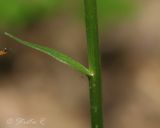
pixel 55 54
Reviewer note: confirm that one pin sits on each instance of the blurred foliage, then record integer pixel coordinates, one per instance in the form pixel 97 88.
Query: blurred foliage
pixel 19 12
pixel 112 10
pixel 16 13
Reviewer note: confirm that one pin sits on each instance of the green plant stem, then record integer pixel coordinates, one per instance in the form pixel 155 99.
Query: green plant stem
pixel 94 63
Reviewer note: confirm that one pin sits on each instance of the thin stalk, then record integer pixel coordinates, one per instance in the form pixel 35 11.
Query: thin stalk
pixel 94 63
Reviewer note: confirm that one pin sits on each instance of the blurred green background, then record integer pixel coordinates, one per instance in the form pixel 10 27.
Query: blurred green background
pixel 15 13
pixel 35 87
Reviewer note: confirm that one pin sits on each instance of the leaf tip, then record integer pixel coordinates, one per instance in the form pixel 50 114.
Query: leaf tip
pixel 7 34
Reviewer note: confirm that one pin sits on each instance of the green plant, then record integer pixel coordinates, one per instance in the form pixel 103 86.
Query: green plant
pixel 93 72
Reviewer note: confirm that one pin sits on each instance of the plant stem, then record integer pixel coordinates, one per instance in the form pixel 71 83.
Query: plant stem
pixel 94 63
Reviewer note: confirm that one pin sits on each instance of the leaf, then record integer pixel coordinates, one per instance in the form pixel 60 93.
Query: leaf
pixel 55 54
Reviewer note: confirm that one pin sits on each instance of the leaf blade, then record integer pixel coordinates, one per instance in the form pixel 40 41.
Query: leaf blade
pixel 54 54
